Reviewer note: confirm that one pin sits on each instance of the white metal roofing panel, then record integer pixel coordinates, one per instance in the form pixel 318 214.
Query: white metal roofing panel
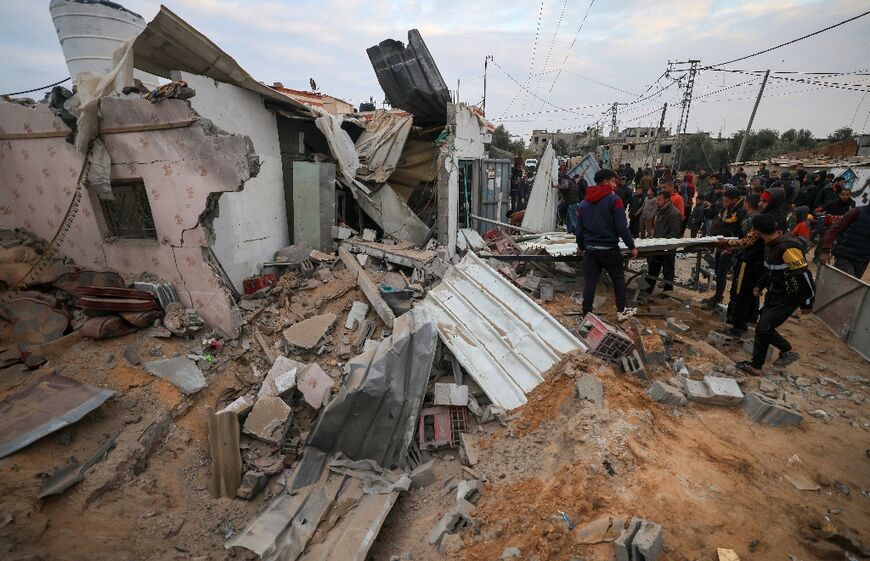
pixel 503 339
pixel 556 248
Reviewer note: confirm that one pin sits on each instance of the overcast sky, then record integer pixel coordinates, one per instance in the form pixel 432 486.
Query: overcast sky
pixel 623 46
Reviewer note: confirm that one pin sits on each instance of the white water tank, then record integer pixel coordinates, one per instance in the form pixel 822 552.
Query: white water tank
pixel 90 31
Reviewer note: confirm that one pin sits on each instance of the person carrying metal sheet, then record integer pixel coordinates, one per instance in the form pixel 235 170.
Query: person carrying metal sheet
pixel 602 223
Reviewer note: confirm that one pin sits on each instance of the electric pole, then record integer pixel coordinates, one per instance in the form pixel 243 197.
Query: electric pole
pixel 485 64
pixel 751 117
pixel 685 105
pixel 613 130
pixel 655 140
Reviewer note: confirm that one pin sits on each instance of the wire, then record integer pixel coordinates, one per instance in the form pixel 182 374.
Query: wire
pixel 599 83
pixel 863 97
pixel 838 85
pixel 534 48
pixel 571 46
pixel 528 91
pixel 37 89
pixel 814 33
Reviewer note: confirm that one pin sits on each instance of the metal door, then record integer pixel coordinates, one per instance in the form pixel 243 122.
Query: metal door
pixel 492 194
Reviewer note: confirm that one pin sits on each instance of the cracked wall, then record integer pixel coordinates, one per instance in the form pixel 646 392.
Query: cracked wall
pixel 182 162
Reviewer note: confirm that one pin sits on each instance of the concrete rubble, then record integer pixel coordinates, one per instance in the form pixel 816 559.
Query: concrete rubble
pixel 180 371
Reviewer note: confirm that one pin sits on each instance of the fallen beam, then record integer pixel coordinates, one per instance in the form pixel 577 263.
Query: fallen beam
pixel 368 287
pixel 408 257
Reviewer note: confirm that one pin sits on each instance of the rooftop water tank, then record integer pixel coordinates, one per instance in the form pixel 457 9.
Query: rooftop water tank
pixel 90 31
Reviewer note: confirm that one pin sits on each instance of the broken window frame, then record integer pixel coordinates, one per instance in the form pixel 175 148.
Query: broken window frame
pixel 145 230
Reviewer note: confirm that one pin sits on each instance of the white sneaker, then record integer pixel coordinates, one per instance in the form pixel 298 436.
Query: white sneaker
pixel 625 314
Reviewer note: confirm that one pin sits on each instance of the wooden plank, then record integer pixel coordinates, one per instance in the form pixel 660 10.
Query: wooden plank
pixel 226 460
pixel 368 287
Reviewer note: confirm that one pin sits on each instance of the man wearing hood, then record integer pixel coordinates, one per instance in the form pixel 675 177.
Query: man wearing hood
pixel 852 236
pixel 602 223
pixel 726 223
pixel 667 225
pixel 807 196
pixel 789 285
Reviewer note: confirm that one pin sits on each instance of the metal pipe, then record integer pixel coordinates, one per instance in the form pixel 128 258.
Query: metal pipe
pixel 496 222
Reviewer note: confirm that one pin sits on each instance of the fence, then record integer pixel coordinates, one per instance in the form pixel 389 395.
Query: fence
pixel 843 305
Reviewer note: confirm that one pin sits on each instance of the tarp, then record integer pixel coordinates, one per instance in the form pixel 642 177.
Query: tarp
pixel 502 338
pixel 380 146
pixel 375 412
pixel 541 211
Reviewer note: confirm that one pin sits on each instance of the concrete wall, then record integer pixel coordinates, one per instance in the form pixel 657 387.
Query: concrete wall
pixel 252 224
pixel 182 167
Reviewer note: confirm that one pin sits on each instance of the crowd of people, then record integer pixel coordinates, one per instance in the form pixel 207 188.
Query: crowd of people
pixel 765 225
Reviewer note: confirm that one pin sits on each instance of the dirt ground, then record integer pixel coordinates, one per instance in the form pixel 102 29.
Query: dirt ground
pixel 707 474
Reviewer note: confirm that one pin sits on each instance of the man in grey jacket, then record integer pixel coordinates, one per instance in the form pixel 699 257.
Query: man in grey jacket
pixel 668 224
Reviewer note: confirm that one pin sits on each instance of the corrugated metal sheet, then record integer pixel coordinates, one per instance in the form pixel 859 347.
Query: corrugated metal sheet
pixel 500 336
pixel 843 305
pixel 553 244
pixel 541 212
pixel 169 43
pixel 381 145
pixel 410 78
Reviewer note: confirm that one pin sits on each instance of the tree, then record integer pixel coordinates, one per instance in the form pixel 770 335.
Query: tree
pixel 501 138
pixel 560 147
pixel 844 133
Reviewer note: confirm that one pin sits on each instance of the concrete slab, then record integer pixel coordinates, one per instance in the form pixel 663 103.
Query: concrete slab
pixel 180 371
pixel 763 409
pixel 589 389
pixel 357 313
pixel 307 333
pixel 281 378
pixel 724 391
pixel 450 394
pixel 315 385
pixel 239 406
pixel 268 420
pixel 666 394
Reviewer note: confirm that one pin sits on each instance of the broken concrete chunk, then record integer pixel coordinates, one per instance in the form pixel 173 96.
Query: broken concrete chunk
pixel 723 391
pixel 727 554
pixel 546 291
pixel 180 371
pixel 451 394
pixel 459 516
pixel 132 356
pixel 322 257
pixel 239 406
pixel 423 475
pixel 469 490
pixel 281 378
pixel 647 543
pixel 369 235
pixel 589 389
pixel 622 545
pixel 268 419
pixel 294 254
pixel 252 483
pixel 717 340
pixel 667 394
pixel 315 385
pixel 357 313
pixel 775 413
pixel 678 325
pixel 593 532
pixel 307 333
pixel 341 233
pixel 468 450
pixel 511 552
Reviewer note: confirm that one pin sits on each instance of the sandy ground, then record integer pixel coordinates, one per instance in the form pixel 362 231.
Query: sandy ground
pixel 708 475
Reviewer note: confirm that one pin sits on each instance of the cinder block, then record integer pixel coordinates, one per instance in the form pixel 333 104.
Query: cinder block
pixel 622 545
pixel 469 490
pixel 460 515
pixel 724 391
pixel 775 413
pixel 451 394
pixel 664 393
pixel 647 543
pixel 547 291
pixel 631 364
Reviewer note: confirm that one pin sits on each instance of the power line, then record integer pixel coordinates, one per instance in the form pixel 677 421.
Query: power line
pixel 514 80
pixel 838 85
pixel 555 34
pixel 571 46
pixel 807 36
pixel 535 47
pixel 37 89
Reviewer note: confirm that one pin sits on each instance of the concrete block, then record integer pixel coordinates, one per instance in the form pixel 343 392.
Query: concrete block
pixel 667 394
pixel 547 291
pixel 315 385
pixel 341 233
pixel 451 394
pixel 678 325
pixel 647 543
pixel 632 364
pixel 589 389
pixel 369 235
pixel 717 340
pixel 724 391
pixel 357 313
pixel 459 516
pixel 239 406
pixel 468 450
pixel 469 490
pixel 622 545
pixel 775 413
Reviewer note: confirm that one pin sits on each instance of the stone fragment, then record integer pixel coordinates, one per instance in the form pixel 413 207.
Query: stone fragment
pixel 724 554
pixel 451 394
pixel 459 516
pixel 647 543
pixel 622 546
pixel 667 394
pixel 281 378
pixel 239 406
pixel 821 414
pixel 132 356
pixel 589 389
pixel 773 412
pixel 717 340
pixel 252 483
pixel 315 385
pixel 182 372
pixel 678 325
pixel 423 475
pixel 510 553
pixel 369 235
pixel 307 333
pixel 593 532
pixel 357 313
pixel 268 419
pixel 802 482
pixel 468 449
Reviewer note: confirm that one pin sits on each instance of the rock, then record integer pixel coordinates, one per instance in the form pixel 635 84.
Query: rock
pixel 678 325
pixel 268 419
pixel 281 378
pixel 601 530
pixel 717 340
pixel 510 552
pixel 239 406
pixel 802 382
pixel 307 333
pixel 450 394
pixel 132 356
pixel 315 385
pixel 842 488
pixel 589 389
pixel 664 393
pixel 180 371
pixel 821 414
pixel 252 483
pixel 769 388
pixel 423 475
pixel 357 313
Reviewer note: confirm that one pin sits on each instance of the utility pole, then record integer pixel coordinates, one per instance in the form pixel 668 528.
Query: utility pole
pixel 655 140
pixel 485 64
pixel 685 104
pixel 613 130
pixel 752 117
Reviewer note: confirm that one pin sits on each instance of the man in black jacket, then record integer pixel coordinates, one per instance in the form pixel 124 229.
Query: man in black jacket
pixel 829 193
pixel 807 196
pixel 789 286
pixel 602 223
pixel 842 205
pixel 852 249
pixel 668 224
pixel 726 224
